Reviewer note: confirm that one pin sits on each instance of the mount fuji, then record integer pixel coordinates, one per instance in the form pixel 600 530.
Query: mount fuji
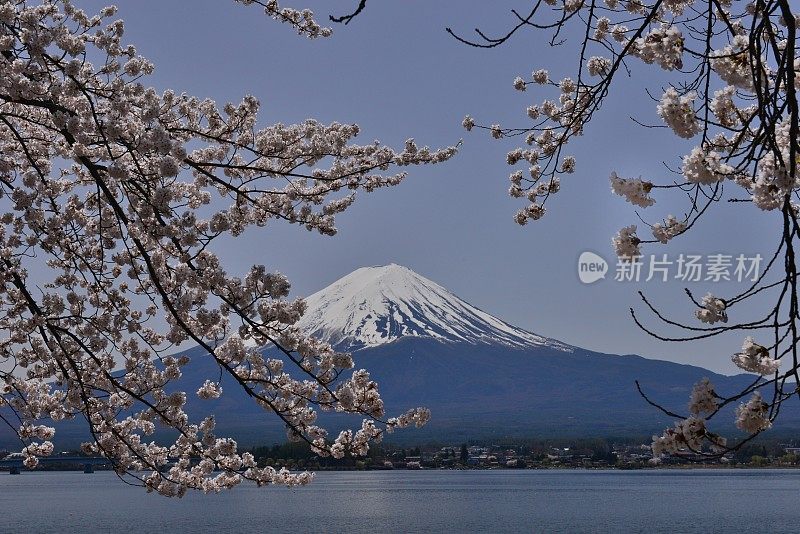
pixel 481 377
pixel 373 306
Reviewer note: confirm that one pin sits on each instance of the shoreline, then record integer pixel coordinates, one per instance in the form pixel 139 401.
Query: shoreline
pixel 510 469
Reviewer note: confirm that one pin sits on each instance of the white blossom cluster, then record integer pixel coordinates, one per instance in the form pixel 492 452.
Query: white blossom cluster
pixel 634 190
pixel 670 228
pixel 772 181
pixel 541 180
pixel 753 416
pixel 713 310
pixel 732 63
pixel 598 65
pixel 209 390
pixel 626 243
pixel 301 20
pixel 724 107
pixel 687 435
pixel 678 112
pixel 755 358
pixel 703 398
pixel 705 167
pixel 123 191
pixel 690 434
pixel 662 45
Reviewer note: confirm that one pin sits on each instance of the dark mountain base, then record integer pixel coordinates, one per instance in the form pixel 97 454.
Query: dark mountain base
pixel 483 392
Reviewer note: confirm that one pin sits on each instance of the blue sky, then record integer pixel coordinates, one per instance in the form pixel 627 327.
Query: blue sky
pixel 395 72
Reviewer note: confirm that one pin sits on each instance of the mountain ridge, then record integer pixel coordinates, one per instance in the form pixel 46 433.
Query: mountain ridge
pixel 522 386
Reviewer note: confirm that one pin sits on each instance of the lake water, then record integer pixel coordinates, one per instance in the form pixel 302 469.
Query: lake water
pixel 419 501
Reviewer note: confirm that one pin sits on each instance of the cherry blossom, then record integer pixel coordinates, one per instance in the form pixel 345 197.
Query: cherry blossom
pixel 687 434
pixel 122 192
pixel 635 190
pixel 713 310
pixel 667 230
pixel 626 243
pixel 753 416
pixel 703 399
pixel 678 112
pixel 755 358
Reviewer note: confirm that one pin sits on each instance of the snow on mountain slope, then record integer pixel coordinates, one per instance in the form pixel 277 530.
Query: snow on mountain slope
pixel 376 305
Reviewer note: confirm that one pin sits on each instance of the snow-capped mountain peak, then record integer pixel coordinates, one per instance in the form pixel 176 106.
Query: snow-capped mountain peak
pixel 377 305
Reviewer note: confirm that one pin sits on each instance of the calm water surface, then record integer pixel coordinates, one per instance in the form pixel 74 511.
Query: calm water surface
pixel 419 501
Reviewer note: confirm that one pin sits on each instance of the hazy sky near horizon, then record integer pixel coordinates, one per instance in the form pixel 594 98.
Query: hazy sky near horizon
pixel 397 73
